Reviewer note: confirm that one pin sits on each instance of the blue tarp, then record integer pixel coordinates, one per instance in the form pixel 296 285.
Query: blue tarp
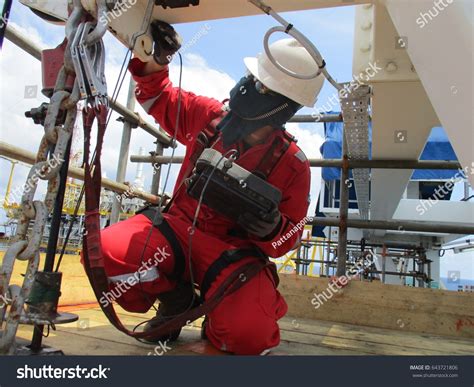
pixel 437 147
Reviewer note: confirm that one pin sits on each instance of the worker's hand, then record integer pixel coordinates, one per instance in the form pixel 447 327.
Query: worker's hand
pixel 264 227
pixel 166 41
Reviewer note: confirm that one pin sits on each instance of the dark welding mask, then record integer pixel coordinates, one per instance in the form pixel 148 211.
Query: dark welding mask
pixel 253 106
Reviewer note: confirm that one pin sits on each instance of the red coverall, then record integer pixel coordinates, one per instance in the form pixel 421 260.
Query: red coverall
pixel 245 322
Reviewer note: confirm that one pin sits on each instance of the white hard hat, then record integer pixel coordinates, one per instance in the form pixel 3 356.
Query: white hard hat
pixel 293 56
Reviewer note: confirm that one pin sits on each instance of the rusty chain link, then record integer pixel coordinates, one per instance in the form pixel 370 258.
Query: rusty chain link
pixel 56 136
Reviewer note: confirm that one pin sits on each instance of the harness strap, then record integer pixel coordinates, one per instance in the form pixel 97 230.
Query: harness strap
pixel 274 154
pixel 204 139
pixel 227 258
pixel 168 233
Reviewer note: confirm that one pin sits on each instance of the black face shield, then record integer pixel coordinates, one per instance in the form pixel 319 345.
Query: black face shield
pixel 251 107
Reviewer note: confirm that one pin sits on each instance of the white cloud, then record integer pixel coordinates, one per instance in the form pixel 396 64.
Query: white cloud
pixel 309 142
pixel 201 78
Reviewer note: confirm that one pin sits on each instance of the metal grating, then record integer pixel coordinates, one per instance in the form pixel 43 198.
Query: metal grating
pixel 355 113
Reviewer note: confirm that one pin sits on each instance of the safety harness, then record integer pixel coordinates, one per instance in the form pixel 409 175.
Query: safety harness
pixel 92 251
pixel 208 136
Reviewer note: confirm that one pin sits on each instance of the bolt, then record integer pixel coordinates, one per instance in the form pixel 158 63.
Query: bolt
pixel 391 67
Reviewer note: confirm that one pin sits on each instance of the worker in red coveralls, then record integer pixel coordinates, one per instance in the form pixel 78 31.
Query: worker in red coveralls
pixel 244 322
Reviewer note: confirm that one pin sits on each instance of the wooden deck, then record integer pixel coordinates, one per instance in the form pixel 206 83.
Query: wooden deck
pixel 93 335
pixel 391 320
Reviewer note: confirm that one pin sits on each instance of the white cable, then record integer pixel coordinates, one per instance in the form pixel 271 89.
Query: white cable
pixel 289 29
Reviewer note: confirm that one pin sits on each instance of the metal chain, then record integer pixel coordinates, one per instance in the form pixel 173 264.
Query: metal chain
pixel 56 137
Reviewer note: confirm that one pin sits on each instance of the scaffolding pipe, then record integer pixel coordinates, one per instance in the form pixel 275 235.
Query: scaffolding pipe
pixel 27 157
pixel 156 159
pixel 418 275
pixel 330 163
pixel 343 211
pixel 17 38
pixel 322 117
pixel 328 251
pixel 7 6
pixel 31 48
pixel 384 263
pixel 155 182
pixel 389 164
pixel 123 154
pixel 440 228
pixel 354 244
pixel 135 120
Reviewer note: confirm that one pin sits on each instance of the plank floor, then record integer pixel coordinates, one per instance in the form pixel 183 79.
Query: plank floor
pixel 93 335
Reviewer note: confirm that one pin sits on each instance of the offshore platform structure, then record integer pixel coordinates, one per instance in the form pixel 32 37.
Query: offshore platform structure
pixel 403 101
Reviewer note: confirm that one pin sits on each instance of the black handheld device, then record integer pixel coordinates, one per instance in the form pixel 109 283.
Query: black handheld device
pixel 232 191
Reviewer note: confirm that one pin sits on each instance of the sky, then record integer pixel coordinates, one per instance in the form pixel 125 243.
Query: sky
pixel 211 67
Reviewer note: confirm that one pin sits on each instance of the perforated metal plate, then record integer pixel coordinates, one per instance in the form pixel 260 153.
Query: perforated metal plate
pixel 355 112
